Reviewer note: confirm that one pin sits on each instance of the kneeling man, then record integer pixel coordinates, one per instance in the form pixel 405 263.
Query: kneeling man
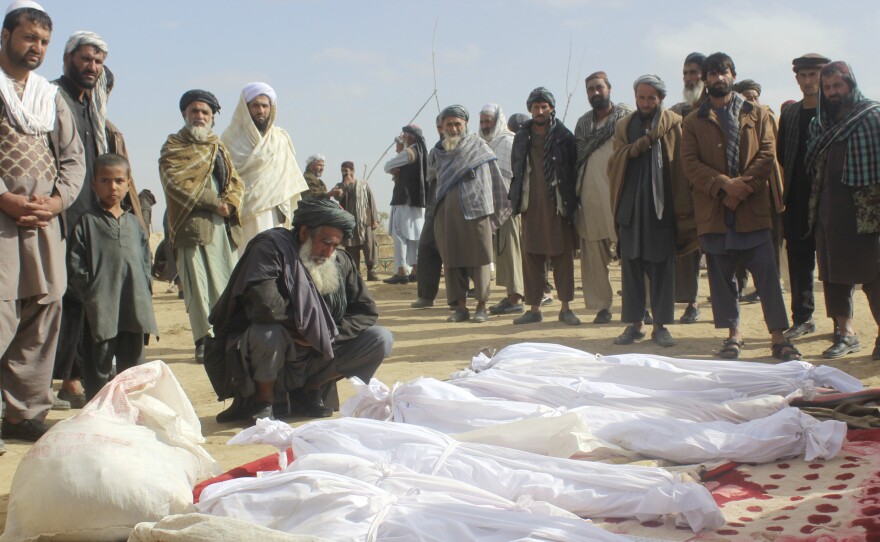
pixel 295 318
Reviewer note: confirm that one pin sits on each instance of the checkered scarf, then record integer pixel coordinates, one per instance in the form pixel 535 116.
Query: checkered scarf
pixel 732 151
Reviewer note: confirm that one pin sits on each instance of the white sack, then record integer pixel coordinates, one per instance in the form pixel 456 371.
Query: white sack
pixel 584 488
pixel 131 455
pixel 329 505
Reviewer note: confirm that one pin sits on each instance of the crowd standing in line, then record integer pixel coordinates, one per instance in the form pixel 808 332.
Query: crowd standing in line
pixel 279 312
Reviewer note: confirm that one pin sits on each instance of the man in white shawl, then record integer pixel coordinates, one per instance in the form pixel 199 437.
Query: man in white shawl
pixel 264 157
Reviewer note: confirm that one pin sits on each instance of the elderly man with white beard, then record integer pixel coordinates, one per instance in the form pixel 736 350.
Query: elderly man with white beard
pixel 471 202
pixel 295 318
pixel 264 157
pixel 203 194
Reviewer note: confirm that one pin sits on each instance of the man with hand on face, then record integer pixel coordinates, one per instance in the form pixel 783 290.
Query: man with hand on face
pixel 728 154
pixel 264 157
pixel 653 211
pixel 295 318
pixel 42 169
pixel 203 193
pixel 471 202
pixel 843 157
pixel 313 173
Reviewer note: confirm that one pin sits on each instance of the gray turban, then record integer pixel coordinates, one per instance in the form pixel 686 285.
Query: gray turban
pixel 653 81
pixel 747 84
pixel 84 37
pixel 541 94
pixel 314 212
pixel 457 111
pixel 199 95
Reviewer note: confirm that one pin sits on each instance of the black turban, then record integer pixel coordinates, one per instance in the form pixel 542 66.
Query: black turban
pixel 348 163
pixel 315 212
pixel 457 111
pixel 809 60
pixel 414 130
pixel 199 95
pixel 515 122
pixel 541 94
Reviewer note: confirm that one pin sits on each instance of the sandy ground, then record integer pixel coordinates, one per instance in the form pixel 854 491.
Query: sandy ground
pixel 426 345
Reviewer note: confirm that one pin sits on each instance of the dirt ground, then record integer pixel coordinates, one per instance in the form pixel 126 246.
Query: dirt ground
pixel 425 344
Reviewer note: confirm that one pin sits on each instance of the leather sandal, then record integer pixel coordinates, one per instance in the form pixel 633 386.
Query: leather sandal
pixel 785 351
pixel 731 348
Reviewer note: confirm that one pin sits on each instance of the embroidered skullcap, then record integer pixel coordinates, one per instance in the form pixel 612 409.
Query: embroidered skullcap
pixel 348 163
pixel 695 58
pixel 199 95
pixel 314 212
pixel 747 84
pixel 314 158
pixel 457 111
pixel 542 95
pixel 84 37
pixel 654 81
pixel 252 90
pixel 516 121
pixel 809 60
pixel 24 4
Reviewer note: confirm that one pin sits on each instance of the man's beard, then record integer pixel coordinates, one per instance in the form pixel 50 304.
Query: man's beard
pixel 261 125
pixel 692 95
pixel 78 78
pixel 720 89
pixel 451 142
pixel 199 133
pixel 324 274
pixel 600 102
pixel 835 107
pixel 647 116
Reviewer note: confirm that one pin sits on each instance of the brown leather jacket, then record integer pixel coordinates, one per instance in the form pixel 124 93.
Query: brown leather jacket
pixel 704 159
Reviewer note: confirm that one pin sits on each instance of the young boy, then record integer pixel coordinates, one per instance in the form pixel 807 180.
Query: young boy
pixel 109 270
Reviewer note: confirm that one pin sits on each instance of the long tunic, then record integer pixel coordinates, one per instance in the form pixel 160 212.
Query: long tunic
pixel 109 271
pixel 34 258
pixel 544 231
pixel 844 255
pixel 641 234
pixel 596 221
pixel 364 212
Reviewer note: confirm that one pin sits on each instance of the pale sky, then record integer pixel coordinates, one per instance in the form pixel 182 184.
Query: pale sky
pixel 350 73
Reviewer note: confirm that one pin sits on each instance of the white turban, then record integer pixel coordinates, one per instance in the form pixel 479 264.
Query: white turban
pixel 21 4
pixel 315 158
pixel 84 37
pixel 252 90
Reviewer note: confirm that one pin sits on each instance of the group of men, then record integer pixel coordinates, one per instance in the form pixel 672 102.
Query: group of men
pixel 712 177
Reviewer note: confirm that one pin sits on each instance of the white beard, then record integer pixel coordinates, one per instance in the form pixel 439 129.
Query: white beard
pixel 692 95
pixel 451 142
pixel 324 274
pixel 199 133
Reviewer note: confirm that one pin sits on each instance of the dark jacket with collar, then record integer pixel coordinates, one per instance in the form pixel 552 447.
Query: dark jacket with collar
pixel 563 153
pixel 703 155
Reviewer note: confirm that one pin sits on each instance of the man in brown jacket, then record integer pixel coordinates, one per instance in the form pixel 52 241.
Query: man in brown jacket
pixel 728 153
pixel 653 212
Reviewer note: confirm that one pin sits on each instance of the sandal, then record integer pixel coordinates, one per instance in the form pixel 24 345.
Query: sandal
pixel 785 351
pixel 731 348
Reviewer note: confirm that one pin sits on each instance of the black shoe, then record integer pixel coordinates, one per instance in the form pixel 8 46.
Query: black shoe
pixel 506 307
pixel 412 277
pixel 649 320
pixel 422 303
pixel 75 400
pixel 875 355
pixel 845 344
pixel 314 405
pixel 748 299
pixel 799 330
pixel 602 317
pixel 372 277
pixel 690 316
pixel 568 318
pixel 29 430
pixel 529 318
pixel 237 411
pixel 662 337
pixel 200 351
pixel 629 336
pixel 397 279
